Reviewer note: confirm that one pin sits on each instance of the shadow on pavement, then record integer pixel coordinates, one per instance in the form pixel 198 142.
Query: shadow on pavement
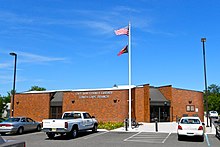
pixel 65 137
pixel 191 139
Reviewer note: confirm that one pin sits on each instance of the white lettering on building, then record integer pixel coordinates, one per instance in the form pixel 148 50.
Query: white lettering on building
pixel 94 94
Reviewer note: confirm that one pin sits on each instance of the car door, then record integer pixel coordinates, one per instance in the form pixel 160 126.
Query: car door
pixel 88 122
pixel 24 124
pixel 31 124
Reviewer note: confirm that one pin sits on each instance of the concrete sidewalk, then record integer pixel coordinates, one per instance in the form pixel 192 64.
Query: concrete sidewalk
pixel 163 127
pixel 150 127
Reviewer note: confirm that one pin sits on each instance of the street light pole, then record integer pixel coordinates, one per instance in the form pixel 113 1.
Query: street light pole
pixel 203 40
pixel 13 91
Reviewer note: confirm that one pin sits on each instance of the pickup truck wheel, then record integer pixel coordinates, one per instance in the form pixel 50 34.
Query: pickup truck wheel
pixel 50 135
pixel 73 133
pixel 94 129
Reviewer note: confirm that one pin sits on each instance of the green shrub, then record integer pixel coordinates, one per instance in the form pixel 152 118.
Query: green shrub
pixel 110 125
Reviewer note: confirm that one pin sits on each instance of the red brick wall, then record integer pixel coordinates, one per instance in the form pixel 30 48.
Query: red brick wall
pixel 35 106
pixel 147 103
pixel 114 108
pixel 167 92
pixel 139 105
pixel 181 98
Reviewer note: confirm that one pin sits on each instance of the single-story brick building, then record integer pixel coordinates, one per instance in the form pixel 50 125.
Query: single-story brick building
pixel 111 104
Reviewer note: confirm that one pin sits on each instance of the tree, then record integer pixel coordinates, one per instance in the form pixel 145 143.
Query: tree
pixel 3 102
pixel 37 88
pixel 214 89
pixel 213 97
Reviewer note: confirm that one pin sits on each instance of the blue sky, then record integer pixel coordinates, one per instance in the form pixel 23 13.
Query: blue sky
pixel 63 44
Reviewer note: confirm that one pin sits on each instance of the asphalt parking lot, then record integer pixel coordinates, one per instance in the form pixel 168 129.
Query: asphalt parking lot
pixel 114 139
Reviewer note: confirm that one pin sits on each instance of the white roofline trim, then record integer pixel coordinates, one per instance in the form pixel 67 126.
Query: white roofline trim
pixel 98 89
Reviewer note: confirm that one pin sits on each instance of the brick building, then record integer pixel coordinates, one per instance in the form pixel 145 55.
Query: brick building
pixel 111 104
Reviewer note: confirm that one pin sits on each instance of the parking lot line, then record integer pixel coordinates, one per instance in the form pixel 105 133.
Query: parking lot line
pixel 207 140
pixel 132 136
pixel 148 137
pixel 166 137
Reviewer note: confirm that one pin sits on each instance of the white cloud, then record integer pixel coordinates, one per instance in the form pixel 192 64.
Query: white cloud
pixel 9 17
pixel 4 65
pixel 29 57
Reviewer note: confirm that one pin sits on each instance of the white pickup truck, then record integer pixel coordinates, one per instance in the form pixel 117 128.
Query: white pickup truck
pixel 70 123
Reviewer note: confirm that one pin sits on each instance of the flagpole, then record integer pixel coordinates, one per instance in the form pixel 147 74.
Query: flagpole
pixel 129 73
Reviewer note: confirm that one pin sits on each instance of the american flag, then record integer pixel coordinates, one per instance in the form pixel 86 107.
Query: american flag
pixel 122 31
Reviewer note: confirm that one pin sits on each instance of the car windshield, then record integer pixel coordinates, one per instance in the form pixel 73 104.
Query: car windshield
pixel 190 121
pixel 213 112
pixel 12 120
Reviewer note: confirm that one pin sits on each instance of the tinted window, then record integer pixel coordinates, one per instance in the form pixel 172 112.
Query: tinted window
pixel 68 116
pixel 12 120
pixel 23 120
pixel 77 115
pixel 86 115
pixel 190 121
pixel 30 120
pixel 71 116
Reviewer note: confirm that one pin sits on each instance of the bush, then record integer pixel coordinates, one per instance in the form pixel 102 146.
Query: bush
pixel 110 125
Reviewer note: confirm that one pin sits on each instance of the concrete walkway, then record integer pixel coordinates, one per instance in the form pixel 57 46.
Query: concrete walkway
pixel 170 127
pixel 165 127
pixel 209 130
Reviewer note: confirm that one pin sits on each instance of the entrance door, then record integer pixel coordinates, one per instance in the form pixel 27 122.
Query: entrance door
pixel 162 113
pixel 55 112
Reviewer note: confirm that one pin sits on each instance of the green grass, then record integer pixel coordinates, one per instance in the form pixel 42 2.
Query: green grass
pixel 110 125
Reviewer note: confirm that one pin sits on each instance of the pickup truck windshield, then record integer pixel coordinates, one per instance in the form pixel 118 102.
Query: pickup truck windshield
pixel 72 116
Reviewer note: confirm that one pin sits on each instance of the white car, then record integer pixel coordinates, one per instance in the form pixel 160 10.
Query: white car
pixel 190 126
pixel 213 114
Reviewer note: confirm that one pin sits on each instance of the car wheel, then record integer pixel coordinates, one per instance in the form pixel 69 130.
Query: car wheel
pixel 201 138
pixel 38 128
pixel 73 133
pixel 3 133
pixel 94 129
pixel 50 135
pixel 179 137
pixel 20 130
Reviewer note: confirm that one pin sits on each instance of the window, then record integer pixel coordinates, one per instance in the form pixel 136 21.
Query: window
pixel 30 120
pixel 23 120
pixel 68 116
pixel 190 108
pixel 190 121
pixel 77 115
pixel 72 116
pixel 86 115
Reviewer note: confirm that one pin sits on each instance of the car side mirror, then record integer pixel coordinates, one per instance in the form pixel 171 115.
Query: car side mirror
pixel 93 116
pixel 203 123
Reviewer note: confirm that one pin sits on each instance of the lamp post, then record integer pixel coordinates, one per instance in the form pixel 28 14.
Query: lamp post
pixel 13 91
pixel 203 40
